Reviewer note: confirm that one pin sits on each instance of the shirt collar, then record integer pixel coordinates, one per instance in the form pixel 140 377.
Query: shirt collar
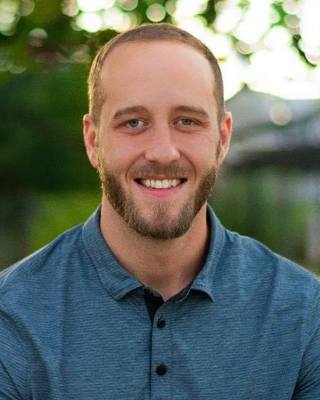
pixel 204 281
pixel 119 282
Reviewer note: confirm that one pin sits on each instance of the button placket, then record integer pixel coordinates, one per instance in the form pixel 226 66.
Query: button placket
pixel 161 323
pixel 161 369
pixel 161 357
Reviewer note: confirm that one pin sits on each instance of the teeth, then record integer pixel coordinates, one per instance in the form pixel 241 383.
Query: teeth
pixel 160 183
pixel 165 184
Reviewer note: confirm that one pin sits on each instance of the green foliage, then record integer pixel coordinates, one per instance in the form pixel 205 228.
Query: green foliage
pixel 68 209
pixel 261 209
pixel 210 12
pixel 41 137
pixel 45 33
pixel 44 59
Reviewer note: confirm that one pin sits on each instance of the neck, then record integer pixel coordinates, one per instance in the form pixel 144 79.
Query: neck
pixel 166 266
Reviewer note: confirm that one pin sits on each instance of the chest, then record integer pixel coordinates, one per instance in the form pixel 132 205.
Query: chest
pixel 199 352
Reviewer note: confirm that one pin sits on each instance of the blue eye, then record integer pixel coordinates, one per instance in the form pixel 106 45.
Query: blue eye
pixel 186 121
pixel 134 123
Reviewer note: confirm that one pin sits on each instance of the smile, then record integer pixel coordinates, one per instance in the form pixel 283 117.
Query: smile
pixel 160 183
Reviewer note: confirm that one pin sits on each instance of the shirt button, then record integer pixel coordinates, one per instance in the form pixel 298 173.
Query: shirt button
pixel 161 323
pixel 161 369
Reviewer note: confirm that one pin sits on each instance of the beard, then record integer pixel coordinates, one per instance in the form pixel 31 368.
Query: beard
pixel 162 226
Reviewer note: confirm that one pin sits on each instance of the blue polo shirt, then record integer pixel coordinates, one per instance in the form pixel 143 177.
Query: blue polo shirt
pixel 74 325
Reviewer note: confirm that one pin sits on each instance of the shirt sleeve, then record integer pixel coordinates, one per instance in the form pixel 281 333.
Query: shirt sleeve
pixel 308 386
pixel 13 365
pixel 8 390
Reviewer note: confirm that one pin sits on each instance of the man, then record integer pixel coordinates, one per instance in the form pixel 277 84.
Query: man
pixel 152 298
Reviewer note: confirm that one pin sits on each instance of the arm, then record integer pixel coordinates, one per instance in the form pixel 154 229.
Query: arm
pixel 308 385
pixel 8 389
pixel 13 365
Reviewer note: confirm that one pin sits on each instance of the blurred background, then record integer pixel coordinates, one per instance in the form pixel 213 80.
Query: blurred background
pixel 269 51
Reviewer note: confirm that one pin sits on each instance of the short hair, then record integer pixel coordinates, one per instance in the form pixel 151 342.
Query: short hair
pixel 147 33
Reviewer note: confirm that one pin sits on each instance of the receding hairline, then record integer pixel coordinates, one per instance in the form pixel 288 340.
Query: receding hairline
pixel 141 35
pixel 116 45
pixel 155 40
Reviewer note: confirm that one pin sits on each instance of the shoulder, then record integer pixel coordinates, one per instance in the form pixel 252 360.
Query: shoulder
pixel 259 267
pixel 42 266
pixel 23 288
pixel 31 295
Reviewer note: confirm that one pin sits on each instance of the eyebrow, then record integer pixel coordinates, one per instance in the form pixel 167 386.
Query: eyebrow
pixel 129 110
pixel 192 109
pixel 141 109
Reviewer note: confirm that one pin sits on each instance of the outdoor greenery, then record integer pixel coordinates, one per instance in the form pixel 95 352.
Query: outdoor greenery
pixel 44 60
pixel 47 183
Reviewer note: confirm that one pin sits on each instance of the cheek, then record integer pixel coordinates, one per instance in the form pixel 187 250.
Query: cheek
pixel 200 151
pixel 120 154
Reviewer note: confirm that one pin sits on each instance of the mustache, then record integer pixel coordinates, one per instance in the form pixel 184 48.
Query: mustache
pixel 169 171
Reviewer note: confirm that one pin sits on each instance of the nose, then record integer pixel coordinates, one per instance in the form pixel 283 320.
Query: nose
pixel 161 147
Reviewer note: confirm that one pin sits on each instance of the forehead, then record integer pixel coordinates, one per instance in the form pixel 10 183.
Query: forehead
pixel 147 71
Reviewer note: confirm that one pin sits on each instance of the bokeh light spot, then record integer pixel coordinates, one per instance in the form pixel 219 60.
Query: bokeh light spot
pixel 16 69
pixel 128 5
pixel 227 19
pixel 26 7
pixel 37 36
pixel 255 23
pixel 277 37
pixel 292 22
pixel 156 12
pixel 70 8
pixel 244 48
pixel 89 21
pixel 291 7
pixel 170 7
pixel 187 8
pixel 310 27
pixel 280 113
pixel 116 19
pixel 8 12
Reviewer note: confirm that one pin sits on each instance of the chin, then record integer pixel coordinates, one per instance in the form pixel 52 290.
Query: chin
pixel 160 223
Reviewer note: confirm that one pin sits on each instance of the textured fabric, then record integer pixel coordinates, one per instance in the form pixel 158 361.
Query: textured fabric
pixel 153 303
pixel 74 326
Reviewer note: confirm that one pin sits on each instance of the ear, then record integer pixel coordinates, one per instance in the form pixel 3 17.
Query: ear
pixel 225 136
pixel 90 135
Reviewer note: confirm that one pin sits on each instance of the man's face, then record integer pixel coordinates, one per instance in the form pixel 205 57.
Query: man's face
pixel 158 142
